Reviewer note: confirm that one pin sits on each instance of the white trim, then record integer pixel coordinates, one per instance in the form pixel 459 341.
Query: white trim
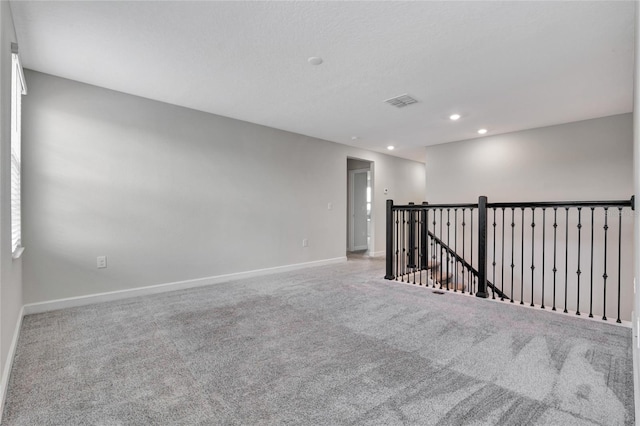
pixel 6 372
pixel 23 80
pixel 18 253
pixel 352 237
pixel 377 253
pixel 52 305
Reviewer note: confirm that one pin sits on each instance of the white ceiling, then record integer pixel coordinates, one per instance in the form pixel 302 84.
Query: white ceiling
pixel 505 66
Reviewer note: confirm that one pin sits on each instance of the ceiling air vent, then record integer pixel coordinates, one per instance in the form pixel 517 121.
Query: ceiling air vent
pixel 401 101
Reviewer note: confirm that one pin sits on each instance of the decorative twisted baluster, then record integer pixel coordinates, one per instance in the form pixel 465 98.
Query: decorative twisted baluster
pixel 605 276
pixel 455 248
pixel 522 259
pixel 441 250
pixel 555 240
pixel 473 276
pixel 404 248
pixel 463 247
pixel 619 259
pixel 448 244
pixel 502 252
pixel 414 249
pixel 578 272
pixel 493 292
pixel 397 214
pixel 566 259
pixel 513 227
pixel 419 249
pixel 533 227
pixel 433 251
pixel 544 247
pixel 591 274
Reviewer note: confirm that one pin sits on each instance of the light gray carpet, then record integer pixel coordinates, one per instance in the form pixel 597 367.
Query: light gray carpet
pixel 326 345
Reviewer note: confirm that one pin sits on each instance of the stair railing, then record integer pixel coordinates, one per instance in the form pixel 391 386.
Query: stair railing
pixel 541 246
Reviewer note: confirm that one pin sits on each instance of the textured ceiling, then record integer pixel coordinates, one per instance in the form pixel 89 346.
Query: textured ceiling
pixel 505 66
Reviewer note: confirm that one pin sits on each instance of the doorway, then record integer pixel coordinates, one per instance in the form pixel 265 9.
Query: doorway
pixel 359 205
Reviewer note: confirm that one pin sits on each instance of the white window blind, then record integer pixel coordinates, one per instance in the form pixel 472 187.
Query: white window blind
pixel 18 88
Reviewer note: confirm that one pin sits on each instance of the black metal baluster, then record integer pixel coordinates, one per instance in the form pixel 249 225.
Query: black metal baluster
pixel 433 251
pixel 522 259
pixel 502 252
pixel 591 275
pixel 579 272
pixel 448 244
pixel 397 241
pixel 426 246
pixel 513 228
pixel 405 245
pixel 493 292
pixel 441 252
pixel 417 260
pixel 411 242
pixel 619 259
pixel 566 259
pixel 463 246
pixel 555 240
pixel 605 276
pixel 416 231
pixel 455 248
pixel 544 231
pixel 533 227
pixel 418 268
pixel 472 275
pixel 402 247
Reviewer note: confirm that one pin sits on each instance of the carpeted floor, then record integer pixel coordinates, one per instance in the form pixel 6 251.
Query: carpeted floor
pixel 327 345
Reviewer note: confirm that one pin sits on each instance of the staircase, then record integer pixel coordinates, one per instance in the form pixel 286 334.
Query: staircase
pixel 441 278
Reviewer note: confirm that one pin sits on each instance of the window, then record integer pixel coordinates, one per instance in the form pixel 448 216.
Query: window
pixel 18 88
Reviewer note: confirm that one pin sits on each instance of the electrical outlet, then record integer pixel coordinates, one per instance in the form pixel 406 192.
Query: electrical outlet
pixel 329 206
pixel 305 243
pixel 101 261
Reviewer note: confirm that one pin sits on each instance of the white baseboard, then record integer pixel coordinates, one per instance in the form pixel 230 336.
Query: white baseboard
pixel 6 372
pixel 52 305
pixel 377 253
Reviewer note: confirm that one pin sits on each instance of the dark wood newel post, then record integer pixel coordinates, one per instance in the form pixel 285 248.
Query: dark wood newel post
pixel 389 243
pixel 482 247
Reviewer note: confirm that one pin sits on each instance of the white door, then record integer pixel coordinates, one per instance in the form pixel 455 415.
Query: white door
pixel 358 237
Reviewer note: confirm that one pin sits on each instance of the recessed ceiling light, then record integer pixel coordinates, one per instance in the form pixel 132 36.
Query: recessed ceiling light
pixel 315 60
pixel 454 117
pixel 354 138
pixel 482 131
pixel 391 147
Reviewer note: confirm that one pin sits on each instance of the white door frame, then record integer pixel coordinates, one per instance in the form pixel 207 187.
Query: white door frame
pixel 352 173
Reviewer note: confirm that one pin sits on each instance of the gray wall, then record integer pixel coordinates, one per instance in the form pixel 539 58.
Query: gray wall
pixel 10 270
pixel 171 194
pixel 589 159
